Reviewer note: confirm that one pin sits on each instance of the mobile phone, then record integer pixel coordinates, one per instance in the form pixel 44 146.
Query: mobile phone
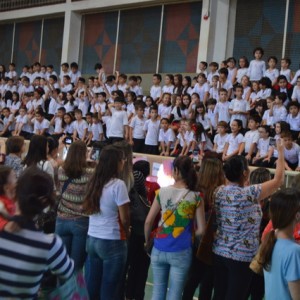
pixel 195 156
pixel 68 140
pixel 272 142
pixel 95 154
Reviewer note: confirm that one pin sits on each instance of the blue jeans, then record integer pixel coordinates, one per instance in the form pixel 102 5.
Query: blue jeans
pixel 172 267
pixel 104 268
pixel 73 233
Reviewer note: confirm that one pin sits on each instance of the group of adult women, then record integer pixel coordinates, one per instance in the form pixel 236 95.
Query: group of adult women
pixel 93 223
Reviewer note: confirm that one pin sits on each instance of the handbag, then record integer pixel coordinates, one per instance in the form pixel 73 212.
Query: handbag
pixel 204 251
pixel 73 289
pixel 149 245
pixel 139 207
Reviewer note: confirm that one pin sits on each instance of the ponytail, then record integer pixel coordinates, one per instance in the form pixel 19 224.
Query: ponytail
pixel 266 250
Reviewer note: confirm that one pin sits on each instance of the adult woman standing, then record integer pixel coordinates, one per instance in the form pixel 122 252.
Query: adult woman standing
pixel 72 222
pixel 238 218
pixel 31 251
pixel 172 252
pixel 211 176
pixel 107 202
pixel 279 254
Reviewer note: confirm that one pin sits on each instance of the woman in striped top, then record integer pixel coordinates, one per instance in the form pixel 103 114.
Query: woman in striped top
pixel 26 254
pixel 72 223
pixel 238 218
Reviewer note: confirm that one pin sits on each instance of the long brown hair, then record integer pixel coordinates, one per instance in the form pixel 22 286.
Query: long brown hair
pixel 75 163
pixel 106 169
pixel 284 205
pixel 211 176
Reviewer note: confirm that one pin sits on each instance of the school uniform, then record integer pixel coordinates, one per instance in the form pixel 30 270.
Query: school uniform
pixel 151 140
pixel 138 134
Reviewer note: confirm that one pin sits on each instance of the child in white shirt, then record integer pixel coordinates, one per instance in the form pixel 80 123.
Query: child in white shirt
pixel 222 107
pixel 80 126
pixel 272 73
pixel 165 108
pixel 285 70
pixel 264 149
pixel 278 110
pixel 291 152
pixel 220 138
pixel 293 118
pixel 119 121
pixel 257 66
pixel 23 127
pixel 234 141
pixel 40 123
pixel 267 119
pixel 136 130
pixel 239 108
pixel 151 129
pixel 166 137
pixel 296 91
pixel 169 84
pixel 155 90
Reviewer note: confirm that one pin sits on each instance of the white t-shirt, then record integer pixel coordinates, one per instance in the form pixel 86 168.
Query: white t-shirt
pixel 164 111
pixel 295 77
pixel 251 137
pixel 53 105
pixel 167 89
pixel 226 85
pixel 234 142
pixel 138 127
pixel 83 105
pixel 294 122
pixel 74 76
pixel 201 90
pixel 189 137
pixel 96 131
pixel 45 124
pixel 211 75
pixel 256 69
pixel 264 94
pixel 130 109
pixel 80 127
pixel 279 114
pixel 174 112
pixel 38 102
pixel 119 119
pixel 271 74
pixel 222 109
pixel 239 105
pixel 240 73
pixel 152 128
pixel 214 93
pixel 263 146
pixel 287 74
pixel 155 92
pixel 7 120
pixel 67 88
pixel 107 121
pixel 293 155
pixel 106 224
pixel 266 116
pixel 204 121
pixel 220 141
pixel 167 136
pixel 296 93
pixel 25 122
pixel 69 128
pixel 58 125
pixel 180 137
pixel 211 114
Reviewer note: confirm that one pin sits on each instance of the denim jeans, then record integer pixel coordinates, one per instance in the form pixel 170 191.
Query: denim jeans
pixel 73 233
pixel 172 267
pixel 104 268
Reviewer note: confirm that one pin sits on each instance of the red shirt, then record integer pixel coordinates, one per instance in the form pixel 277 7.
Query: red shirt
pixel 10 207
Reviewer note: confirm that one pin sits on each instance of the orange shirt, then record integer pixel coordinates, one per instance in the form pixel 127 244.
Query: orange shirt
pixel 10 207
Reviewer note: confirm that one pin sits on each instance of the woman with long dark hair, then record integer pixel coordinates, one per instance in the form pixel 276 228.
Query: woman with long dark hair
pixel 171 255
pixel 107 203
pixel 72 222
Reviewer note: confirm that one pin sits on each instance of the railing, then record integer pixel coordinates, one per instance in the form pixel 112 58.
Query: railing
pixel 6 5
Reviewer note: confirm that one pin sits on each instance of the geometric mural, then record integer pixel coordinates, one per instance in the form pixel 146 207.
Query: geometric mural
pixel 259 23
pixel 52 42
pixel 292 49
pixel 27 43
pixel 99 40
pixel 6 33
pixel 180 37
pixel 138 40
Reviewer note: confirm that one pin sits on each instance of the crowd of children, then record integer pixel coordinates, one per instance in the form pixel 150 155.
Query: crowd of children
pixel 224 110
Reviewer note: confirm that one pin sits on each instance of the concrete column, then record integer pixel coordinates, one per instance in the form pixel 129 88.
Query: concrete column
pixel 204 33
pixel 216 50
pixel 71 37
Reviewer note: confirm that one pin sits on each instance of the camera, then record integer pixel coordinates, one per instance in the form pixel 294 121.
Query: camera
pixel 272 142
pixel 68 140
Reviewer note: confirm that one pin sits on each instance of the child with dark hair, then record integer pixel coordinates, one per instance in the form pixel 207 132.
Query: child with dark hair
pixel 257 66
pixel 293 118
pixel 278 110
pixel 291 152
